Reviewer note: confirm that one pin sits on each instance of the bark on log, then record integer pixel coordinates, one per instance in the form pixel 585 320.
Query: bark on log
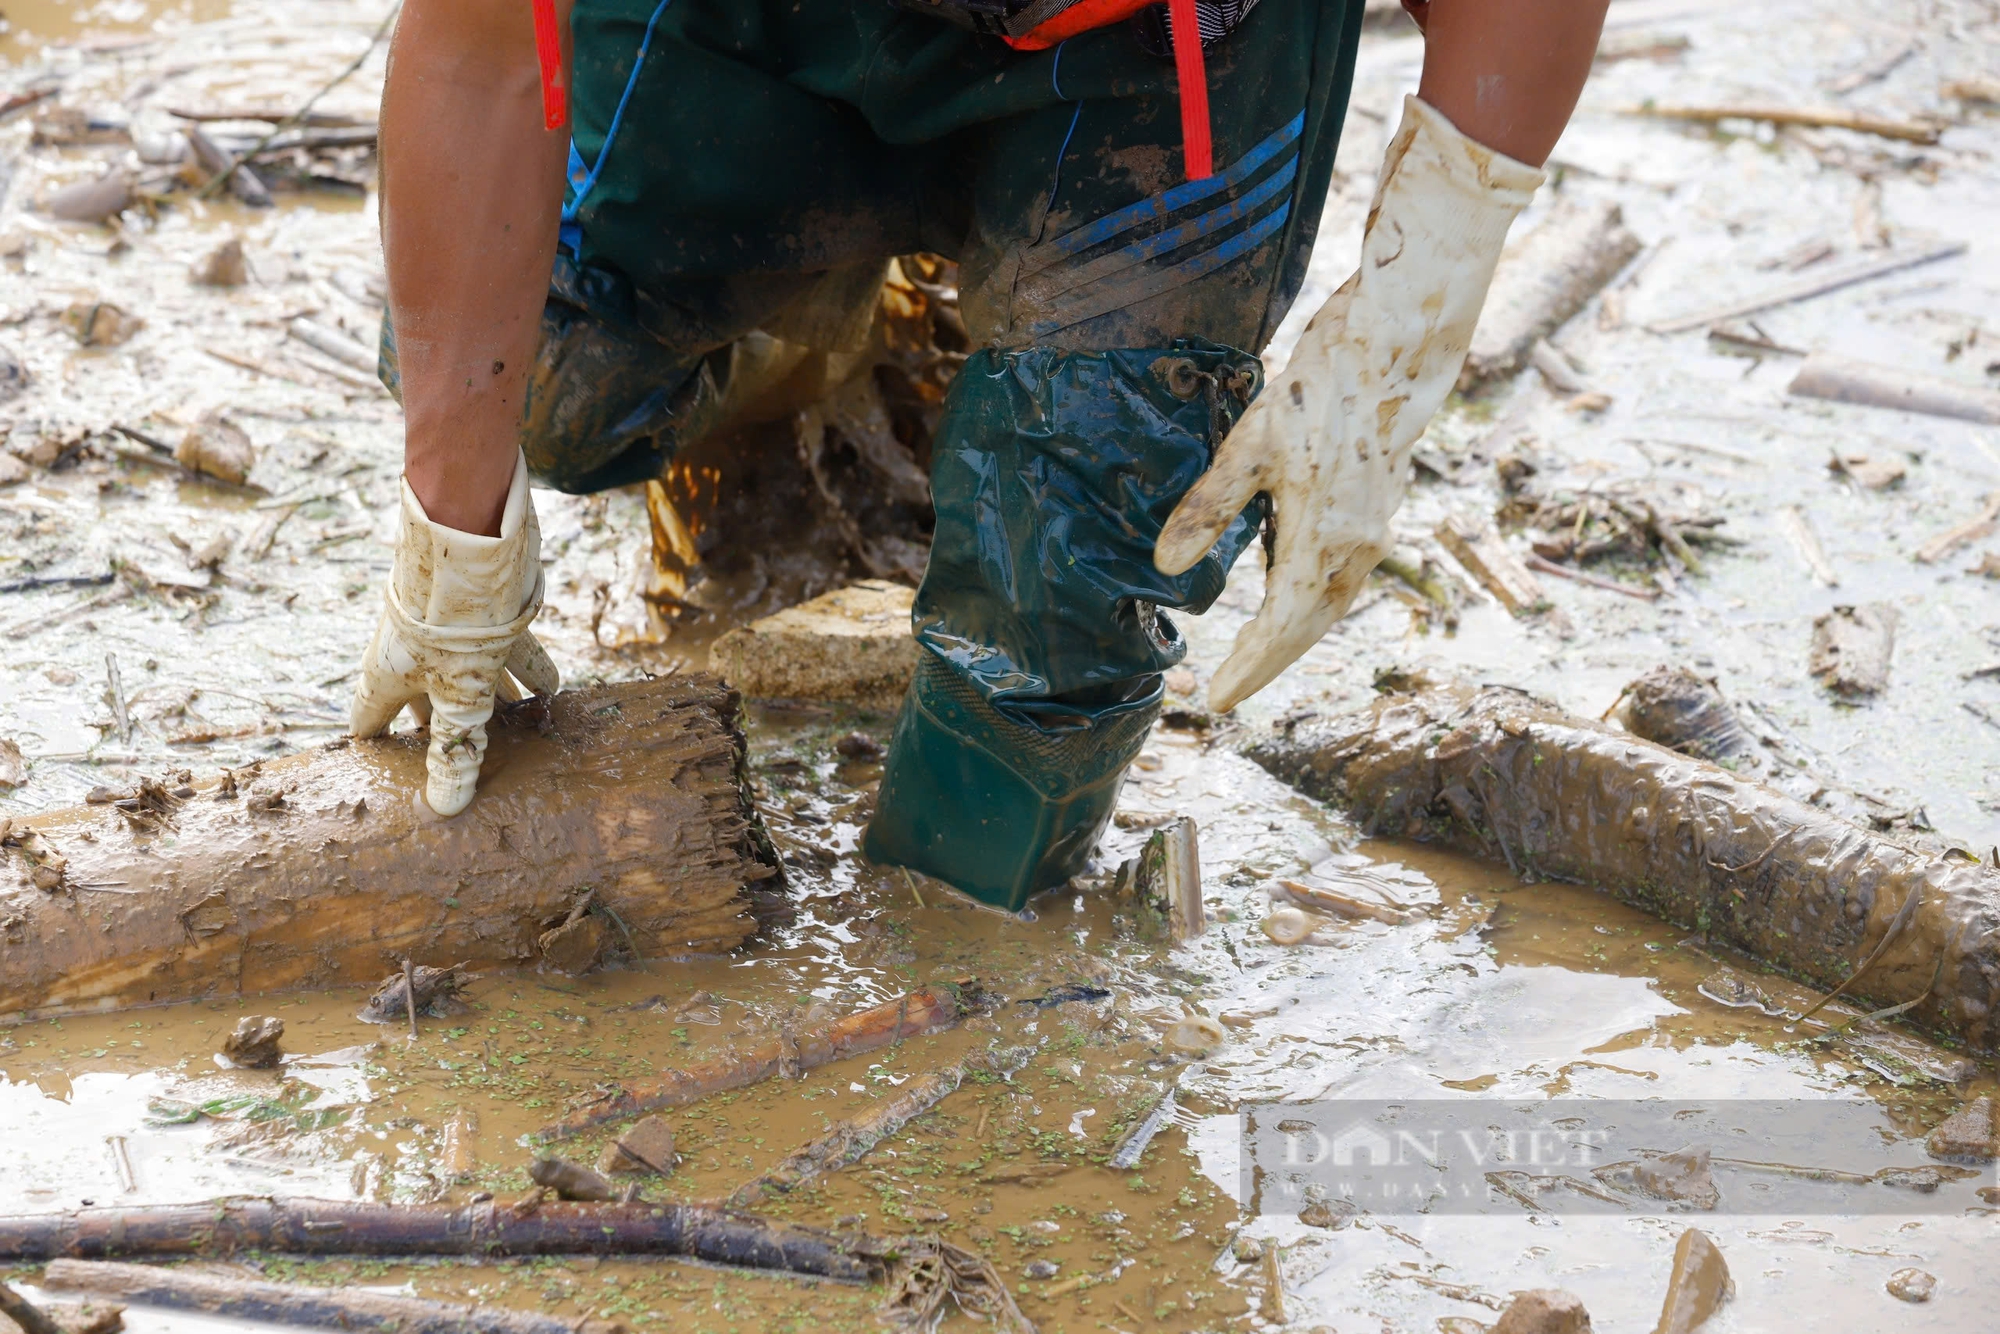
pixel 867 1030
pixel 322 872
pixel 291 1304
pixel 1542 281
pixel 341 1227
pixel 1845 380
pixel 1498 773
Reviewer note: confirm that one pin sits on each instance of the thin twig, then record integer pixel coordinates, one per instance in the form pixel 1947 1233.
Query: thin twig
pixel 216 181
pixel 410 996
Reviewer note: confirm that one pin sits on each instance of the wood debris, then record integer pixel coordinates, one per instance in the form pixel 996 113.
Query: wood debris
pixel 1813 284
pixel 1798 529
pixel 1851 648
pixel 1972 530
pixel 1845 380
pixel 1474 545
pixel 1873 472
pixel 1826 118
pixel 1543 280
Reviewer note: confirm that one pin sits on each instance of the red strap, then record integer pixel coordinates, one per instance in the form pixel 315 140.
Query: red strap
pixel 1197 152
pixel 1079 17
pixel 548 49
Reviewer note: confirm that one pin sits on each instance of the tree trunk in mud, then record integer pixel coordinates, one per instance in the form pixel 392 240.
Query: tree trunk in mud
pixel 338 1227
pixel 1498 773
pixel 320 870
pixel 288 1304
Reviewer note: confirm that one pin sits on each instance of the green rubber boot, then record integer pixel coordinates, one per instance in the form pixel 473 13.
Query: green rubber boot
pixel 1040 615
pixel 1000 809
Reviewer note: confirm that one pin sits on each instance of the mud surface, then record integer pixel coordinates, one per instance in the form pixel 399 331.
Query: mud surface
pixel 1495 989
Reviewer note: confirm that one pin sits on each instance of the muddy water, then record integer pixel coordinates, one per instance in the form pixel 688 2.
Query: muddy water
pixel 1499 989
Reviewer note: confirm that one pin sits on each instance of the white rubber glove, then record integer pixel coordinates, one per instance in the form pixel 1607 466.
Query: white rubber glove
pixel 457 621
pixel 1330 438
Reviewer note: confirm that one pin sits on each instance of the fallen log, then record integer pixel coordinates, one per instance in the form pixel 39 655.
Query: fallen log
pixel 291 1304
pixel 1498 773
pixel 1844 380
pixel 1542 281
pixel 867 1030
pixel 222 1228
pixel 850 1140
pixel 318 870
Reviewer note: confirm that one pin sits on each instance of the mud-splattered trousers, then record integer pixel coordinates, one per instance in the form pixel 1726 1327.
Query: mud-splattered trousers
pixel 752 165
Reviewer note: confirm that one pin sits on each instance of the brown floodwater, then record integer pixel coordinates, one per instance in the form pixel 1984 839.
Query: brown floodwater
pixel 1496 989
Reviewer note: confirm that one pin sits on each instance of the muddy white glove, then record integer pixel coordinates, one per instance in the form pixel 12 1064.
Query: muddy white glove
pixel 456 623
pixel 1330 438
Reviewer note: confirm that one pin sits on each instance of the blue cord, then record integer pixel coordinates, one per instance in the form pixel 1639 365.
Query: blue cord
pixel 588 182
pixel 1055 81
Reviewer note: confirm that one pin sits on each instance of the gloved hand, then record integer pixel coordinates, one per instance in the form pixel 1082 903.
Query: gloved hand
pixel 1330 438
pixel 456 623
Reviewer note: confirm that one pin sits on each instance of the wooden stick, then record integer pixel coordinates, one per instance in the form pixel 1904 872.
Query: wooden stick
pixel 332 343
pixel 848 1141
pixel 222 1228
pixel 1820 118
pixel 867 1030
pixel 1345 905
pixel 1798 530
pixel 1545 566
pixel 345 1308
pixel 1971 530
pixel 410 995
pixel 1845 380
pixel 1799 289
pixel 381 31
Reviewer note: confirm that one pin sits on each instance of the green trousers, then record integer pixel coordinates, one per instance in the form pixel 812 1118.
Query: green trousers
pixel 746 165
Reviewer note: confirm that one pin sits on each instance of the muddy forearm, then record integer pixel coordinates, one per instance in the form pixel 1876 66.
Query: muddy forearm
pixel 471 192
pixel 1508 72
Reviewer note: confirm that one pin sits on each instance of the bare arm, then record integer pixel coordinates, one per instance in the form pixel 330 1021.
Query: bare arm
pixel 471 193
pixel 1508 72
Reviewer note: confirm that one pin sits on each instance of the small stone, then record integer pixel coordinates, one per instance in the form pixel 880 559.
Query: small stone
pixel 1248 1250
pixel 1967 1135
pixel 1181 681
pixel 576 945
pixel 1697 1287
pixel 1911 1285
pixel 859 746
pixel 223 266
pixel 13 769
pixel 87 1317
pixel 1040 1269
pixel 219 448
pixel 851 644
pixel 100 323
pixel 1544 1311
pixel 92 201
pixel 648 1146
pixel 254 1044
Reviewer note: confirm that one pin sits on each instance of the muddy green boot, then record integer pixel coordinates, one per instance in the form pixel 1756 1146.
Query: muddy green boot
pixel 1000 809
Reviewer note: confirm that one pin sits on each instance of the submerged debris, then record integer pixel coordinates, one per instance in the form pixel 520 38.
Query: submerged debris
pixel 1697 1287
pixel 254 1043
pixel 1911 1285
pixel 572 1181
pixel 1544 1311
pixel 647 1147
pixel 1968 1135
pixel 1851 648
pixel 436 995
